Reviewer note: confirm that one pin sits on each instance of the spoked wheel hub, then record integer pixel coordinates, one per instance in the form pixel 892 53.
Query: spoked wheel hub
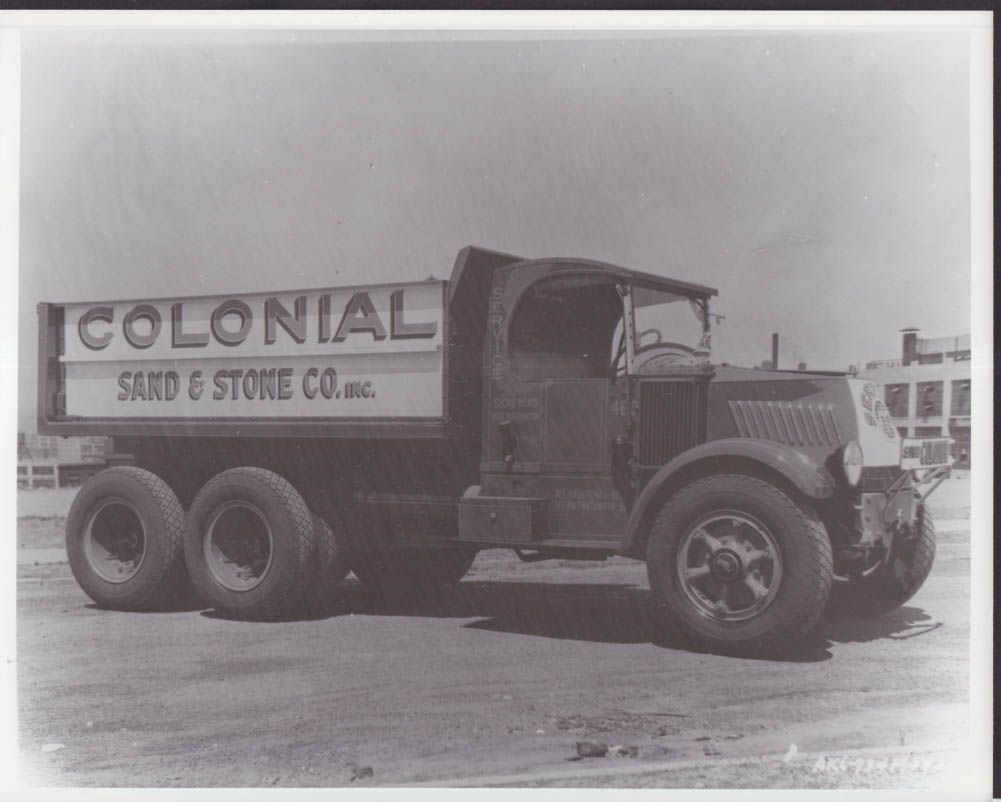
pixel 726 566
pixel 729 566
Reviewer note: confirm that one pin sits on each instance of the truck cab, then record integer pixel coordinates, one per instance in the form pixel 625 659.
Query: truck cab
pixel 757 498
pixel 593 374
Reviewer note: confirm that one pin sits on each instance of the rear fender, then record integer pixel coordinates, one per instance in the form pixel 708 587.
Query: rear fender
pixel 756 456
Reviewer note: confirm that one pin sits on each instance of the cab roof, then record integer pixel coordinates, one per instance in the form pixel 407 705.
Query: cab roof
pixel 474 266
pixel 650 280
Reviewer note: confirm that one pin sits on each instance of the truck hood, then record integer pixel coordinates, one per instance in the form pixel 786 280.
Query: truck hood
pixel 814 412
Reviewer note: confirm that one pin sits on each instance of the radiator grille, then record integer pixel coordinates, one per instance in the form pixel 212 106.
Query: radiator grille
pixel 795 424
pixel 672 419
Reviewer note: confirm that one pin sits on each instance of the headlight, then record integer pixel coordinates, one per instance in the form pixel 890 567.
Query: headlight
pixel 851 462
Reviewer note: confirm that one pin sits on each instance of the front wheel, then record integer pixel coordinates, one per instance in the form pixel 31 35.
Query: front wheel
pixel 738 565
pixel 895 579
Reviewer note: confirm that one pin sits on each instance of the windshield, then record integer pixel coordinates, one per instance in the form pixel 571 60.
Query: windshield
pixel 667 320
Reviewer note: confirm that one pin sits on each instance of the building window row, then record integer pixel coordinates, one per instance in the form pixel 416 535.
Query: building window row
pixel 897 399
pixel 928 399
pixel 961 397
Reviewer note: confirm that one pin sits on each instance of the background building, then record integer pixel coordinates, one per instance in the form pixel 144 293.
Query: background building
pixel 44 461
pixel 927 389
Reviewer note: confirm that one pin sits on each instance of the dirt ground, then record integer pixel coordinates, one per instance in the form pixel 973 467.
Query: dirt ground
pixel 491 685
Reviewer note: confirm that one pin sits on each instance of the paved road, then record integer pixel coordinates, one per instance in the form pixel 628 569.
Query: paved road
pixel 491 685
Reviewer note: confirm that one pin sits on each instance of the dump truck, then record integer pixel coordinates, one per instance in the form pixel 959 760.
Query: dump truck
pixel 266 444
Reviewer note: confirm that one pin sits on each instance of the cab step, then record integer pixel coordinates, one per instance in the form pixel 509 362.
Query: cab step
pixel 503 519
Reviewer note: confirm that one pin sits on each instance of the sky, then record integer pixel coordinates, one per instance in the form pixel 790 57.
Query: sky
pixel 819 180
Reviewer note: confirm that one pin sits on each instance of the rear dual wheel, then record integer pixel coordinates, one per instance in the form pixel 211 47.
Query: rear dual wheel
pixel 252 547
pixel 250 544
pixel 124 540
pixel 332 567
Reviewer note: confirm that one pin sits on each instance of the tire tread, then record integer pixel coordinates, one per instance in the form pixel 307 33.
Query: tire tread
pixel 168 583
pixel 298 574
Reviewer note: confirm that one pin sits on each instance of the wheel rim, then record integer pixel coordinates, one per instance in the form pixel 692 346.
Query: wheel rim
pixel 114 540
pixel 238 545
pixel 729 566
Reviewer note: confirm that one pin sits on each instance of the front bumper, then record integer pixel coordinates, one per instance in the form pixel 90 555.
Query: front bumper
pixel 894 511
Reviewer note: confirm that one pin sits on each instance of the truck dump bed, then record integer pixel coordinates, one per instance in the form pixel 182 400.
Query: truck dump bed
pixel 369 359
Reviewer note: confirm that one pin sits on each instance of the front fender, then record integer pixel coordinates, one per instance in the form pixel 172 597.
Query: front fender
pixel 811 478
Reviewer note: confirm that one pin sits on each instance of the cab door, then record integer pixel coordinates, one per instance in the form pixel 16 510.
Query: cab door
pixel 566 403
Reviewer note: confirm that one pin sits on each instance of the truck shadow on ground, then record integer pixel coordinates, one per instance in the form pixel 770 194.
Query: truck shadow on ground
pixel 901 624
pixel 597 613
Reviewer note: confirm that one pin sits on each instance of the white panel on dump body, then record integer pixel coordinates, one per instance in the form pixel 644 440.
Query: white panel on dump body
pixel 365 352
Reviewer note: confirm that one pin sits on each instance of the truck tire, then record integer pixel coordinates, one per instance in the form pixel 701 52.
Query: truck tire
pixel 331 569
pixel 737 565
pixel 895 580
pixel 397 572
pixel 249 544
pixel 124 540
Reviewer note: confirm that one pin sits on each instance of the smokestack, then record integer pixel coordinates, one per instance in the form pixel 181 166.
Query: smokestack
pixel 910 345
pixel 775 350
